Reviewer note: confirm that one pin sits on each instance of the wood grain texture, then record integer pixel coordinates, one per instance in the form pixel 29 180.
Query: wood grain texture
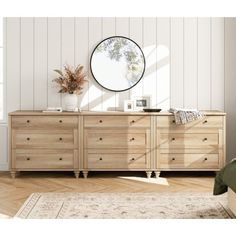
pixel 44 143
pixel 119 121
pixel 47 45
pixel 118 161
pixel 189 161
pixel 13 192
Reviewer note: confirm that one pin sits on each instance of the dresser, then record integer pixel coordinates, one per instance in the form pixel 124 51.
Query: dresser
pixel 43 142
pixel 114 141
pixel 198 145
pixel 120 142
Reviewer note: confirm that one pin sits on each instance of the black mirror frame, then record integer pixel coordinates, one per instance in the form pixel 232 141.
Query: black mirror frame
pixel 144 61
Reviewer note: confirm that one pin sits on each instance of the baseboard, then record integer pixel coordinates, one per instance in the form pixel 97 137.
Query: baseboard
pixel 4 167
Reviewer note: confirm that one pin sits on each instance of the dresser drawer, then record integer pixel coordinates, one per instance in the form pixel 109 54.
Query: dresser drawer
pixel 42 122
pixel 26 159
pixel 206 122
pixel 117 161
pixel 188 140
pixel 117 121
pixel 109 139
pixel 189 161
pixel 64 139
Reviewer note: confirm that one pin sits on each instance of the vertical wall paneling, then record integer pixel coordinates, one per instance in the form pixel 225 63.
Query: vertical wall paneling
pixel 67 45
pixel 3 127
pixel 177 63
pixel 13 64
pixel 136 34
pixel 40 63
pixel 163 63
pixel 190 63
pixel 3 147
pixel 108 30
pixel 3 72
pixel 122 29
pixel 54 60
pixel 82 56
pixel 27 63
pixel 204 63
pixel 95 90
pixel 217 62
pixel 150 52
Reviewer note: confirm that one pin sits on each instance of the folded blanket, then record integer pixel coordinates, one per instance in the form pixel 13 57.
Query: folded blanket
pixel 183 116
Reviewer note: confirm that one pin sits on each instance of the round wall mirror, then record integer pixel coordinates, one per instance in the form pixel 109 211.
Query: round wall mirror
pixel 117 63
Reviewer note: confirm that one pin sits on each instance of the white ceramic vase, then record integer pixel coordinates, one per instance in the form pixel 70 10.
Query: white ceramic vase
pixel 70 102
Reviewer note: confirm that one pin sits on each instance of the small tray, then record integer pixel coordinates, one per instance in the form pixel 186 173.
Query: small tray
pixel 151 110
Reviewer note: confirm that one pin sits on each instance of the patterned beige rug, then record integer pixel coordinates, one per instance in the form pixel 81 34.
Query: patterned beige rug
pixel 124 206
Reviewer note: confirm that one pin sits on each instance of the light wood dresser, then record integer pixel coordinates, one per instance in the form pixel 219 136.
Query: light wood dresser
pixel 114 141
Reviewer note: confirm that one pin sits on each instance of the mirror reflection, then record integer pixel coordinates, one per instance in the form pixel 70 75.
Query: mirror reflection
pixel 117 63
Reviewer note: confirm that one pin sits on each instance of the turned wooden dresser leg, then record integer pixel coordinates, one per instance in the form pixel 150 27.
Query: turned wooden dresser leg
pixel 149 173
pixel 13 174
pixel 85 174
pixel 76 174
pixel 157 174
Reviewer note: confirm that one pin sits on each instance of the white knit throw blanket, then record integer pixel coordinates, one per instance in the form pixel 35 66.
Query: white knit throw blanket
pixel 183 116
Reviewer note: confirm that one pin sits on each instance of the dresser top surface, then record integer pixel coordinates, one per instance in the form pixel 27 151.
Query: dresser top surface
pixel 112 113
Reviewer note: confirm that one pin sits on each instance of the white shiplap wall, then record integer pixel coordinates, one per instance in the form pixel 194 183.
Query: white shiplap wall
pixel 184 59
pixel 181 55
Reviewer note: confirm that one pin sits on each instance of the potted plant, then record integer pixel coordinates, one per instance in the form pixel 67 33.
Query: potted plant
pixel 71 83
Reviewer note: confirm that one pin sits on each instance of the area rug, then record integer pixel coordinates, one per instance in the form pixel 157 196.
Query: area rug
pixel 124 206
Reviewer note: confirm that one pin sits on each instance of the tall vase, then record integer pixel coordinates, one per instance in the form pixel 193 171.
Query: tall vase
pixel 70 102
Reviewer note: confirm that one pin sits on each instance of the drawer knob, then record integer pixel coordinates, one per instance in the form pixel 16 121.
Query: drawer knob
pixel 28 121
pixel 100 159
pixel 173 121
pixel 100 121
pixel 173 139
pixel 27 158
pixel 132 159
pixel 60 121
pixel 60 139
pixel 132 121
pixel 205 159
pixel 205 139
pixel 132 139
pixel 28 139
pixel 205 121
pixel 60 159
pixel 173 159
pixel 100 139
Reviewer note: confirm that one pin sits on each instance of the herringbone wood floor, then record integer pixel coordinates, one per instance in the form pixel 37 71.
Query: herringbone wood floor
pixel 13 192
